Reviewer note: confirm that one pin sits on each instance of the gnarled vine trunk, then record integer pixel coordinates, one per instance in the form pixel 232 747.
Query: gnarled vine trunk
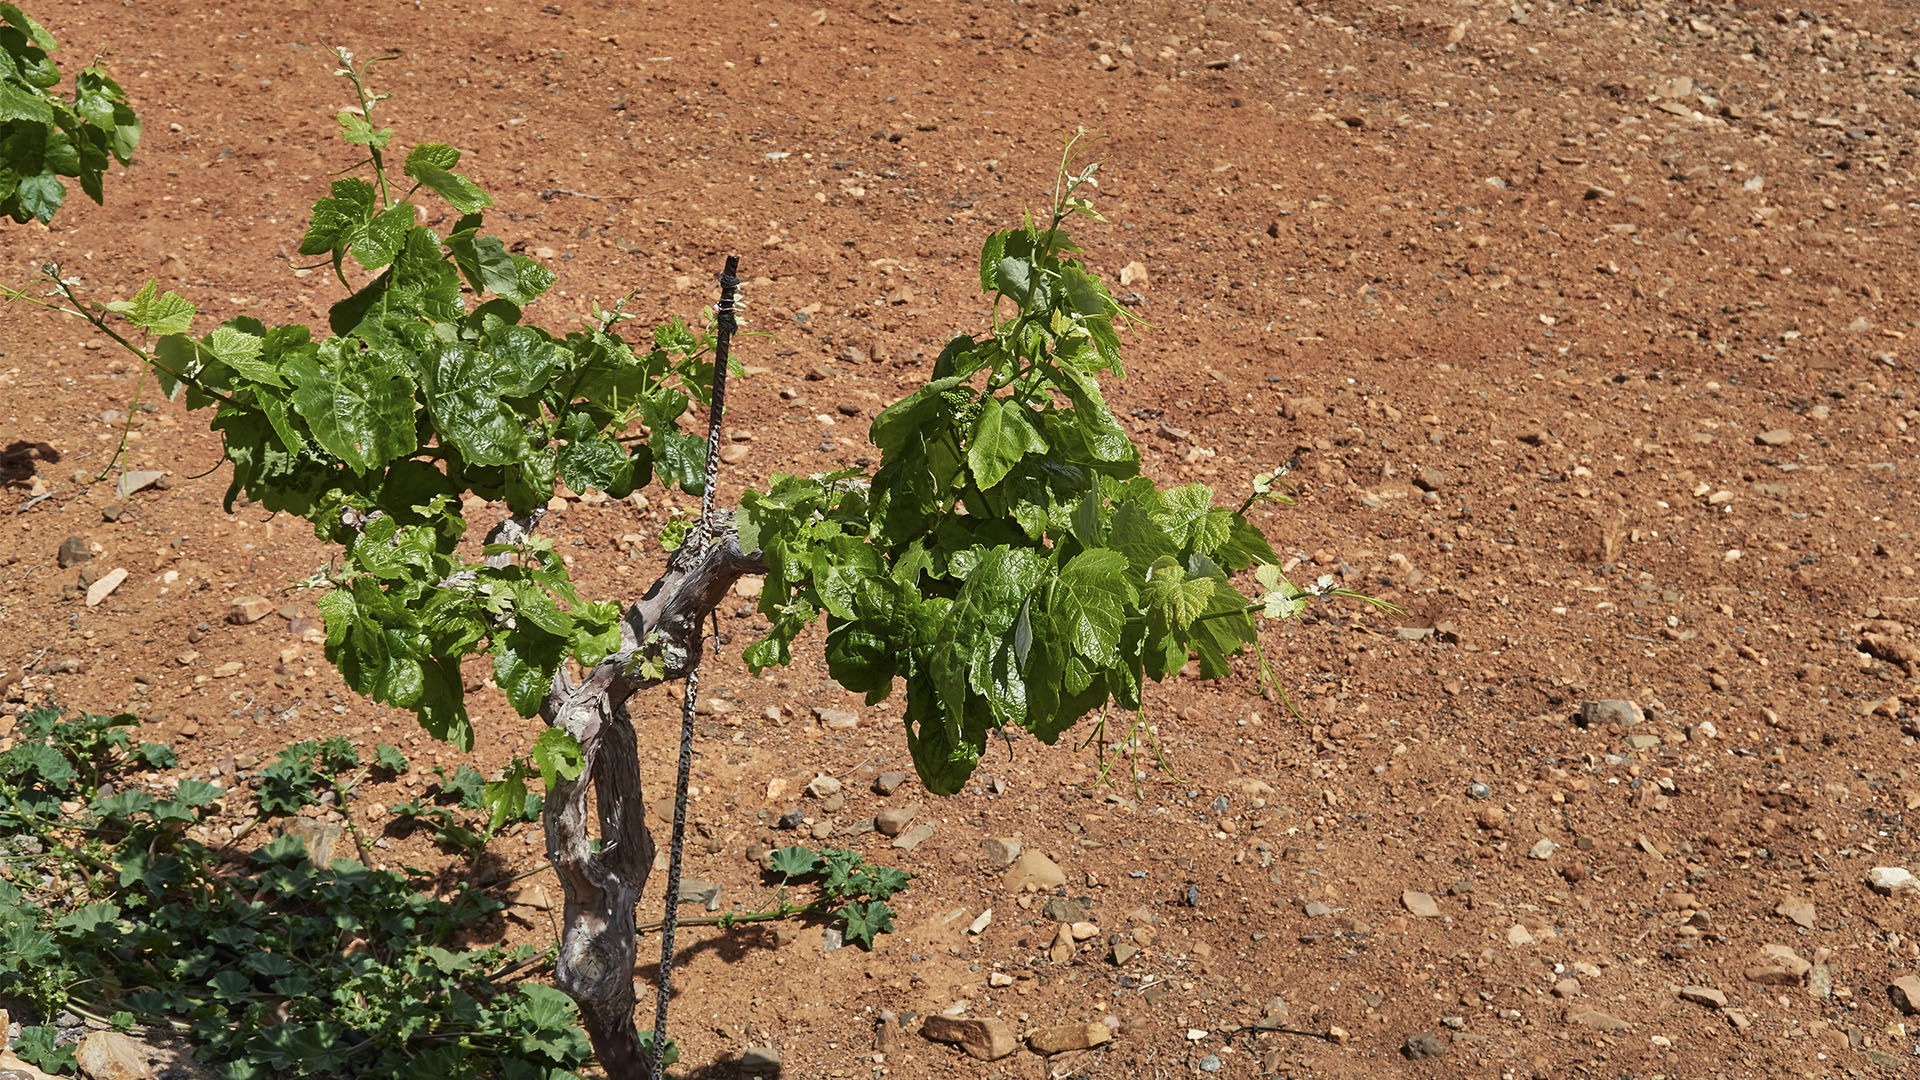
pixel 597 945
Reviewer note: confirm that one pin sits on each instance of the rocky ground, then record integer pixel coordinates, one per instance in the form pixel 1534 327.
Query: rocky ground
pixel 1581 325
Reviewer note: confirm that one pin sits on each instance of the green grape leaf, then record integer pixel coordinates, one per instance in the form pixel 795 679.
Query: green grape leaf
pixel 431 155
pixel 156 313
pixel 1093 599
pixel 379 242
pixel 358 405
pixel 524 660
pixel 908 417
pixel 356 129
pixel 463 194
pixel 462 390
pixel 1015 278
pixel 40 196
pixel 1173 596
pixel 558 756
pixel 1000 439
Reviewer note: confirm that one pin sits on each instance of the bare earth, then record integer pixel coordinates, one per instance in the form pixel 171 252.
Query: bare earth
pixel 1583 327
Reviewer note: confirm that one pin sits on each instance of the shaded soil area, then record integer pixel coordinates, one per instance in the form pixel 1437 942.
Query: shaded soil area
pixel 1581 327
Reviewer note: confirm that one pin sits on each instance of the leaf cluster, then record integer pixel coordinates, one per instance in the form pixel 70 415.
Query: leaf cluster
pixel 272 966
pixel 1007 561
pixel 301 772
pixel 43 136
pixel 844 878
pixel 426 388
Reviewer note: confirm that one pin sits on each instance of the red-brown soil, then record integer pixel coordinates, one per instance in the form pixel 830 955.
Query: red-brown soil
pixel 1583 326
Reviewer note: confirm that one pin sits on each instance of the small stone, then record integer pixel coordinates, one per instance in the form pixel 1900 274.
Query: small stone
pixel 1777 965
pixel 999 978
pixel 1211 1063
pixel 1774 437
pixel 1061 1038
pixel 1905 992
pixel 1083 931
pixel 1061 909
pixel 1799 911
pixel 1891 880
pixel 894 819
pixel 759 1059
pixel 1610 711
pixel 889 782
pixel 1542 848
pixel 1420 905
pixel 534 896
pixel 109 1055
pixel 1061 950
pixel 1478 790
pixel 704 893
pixel 1000 851
pixel 112 512
pixel 914 837
pixel 981 922
pixel 1034 871
pixel 822 786
pixel 229 669
pixel 1134 275
pixel 249 609
pixel 986 1038
pixel 104 586
pixel 1703 995
pixel 791 819
pixel 838 719
pixel 1518 935
pixel 73 551
pixel 319 838
pixel 138 480
pixel 1123 952
pixel 733 453
pixel 1314 909
pixel 1422 1046
pixel 1599 1021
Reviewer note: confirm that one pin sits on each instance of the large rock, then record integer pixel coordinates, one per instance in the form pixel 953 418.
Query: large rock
pixel 320 838
pixel 1035 871
pixel 1610 711
pixel 1061 1038
pixel 1777 965
pixel 1597 1020
pixel 109 1055
pixel 12 1068
pixel 1905 992
pixel 1892 881
pixel 985 1038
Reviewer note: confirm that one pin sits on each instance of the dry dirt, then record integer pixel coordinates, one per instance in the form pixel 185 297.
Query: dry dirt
pixel 1583 327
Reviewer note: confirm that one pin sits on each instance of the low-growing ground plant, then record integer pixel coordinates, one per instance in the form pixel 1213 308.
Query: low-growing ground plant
pixel 1007 564
pixel 43 136
pixel 272 966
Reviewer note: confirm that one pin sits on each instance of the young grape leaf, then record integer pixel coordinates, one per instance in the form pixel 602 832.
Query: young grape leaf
pixel 1002 436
